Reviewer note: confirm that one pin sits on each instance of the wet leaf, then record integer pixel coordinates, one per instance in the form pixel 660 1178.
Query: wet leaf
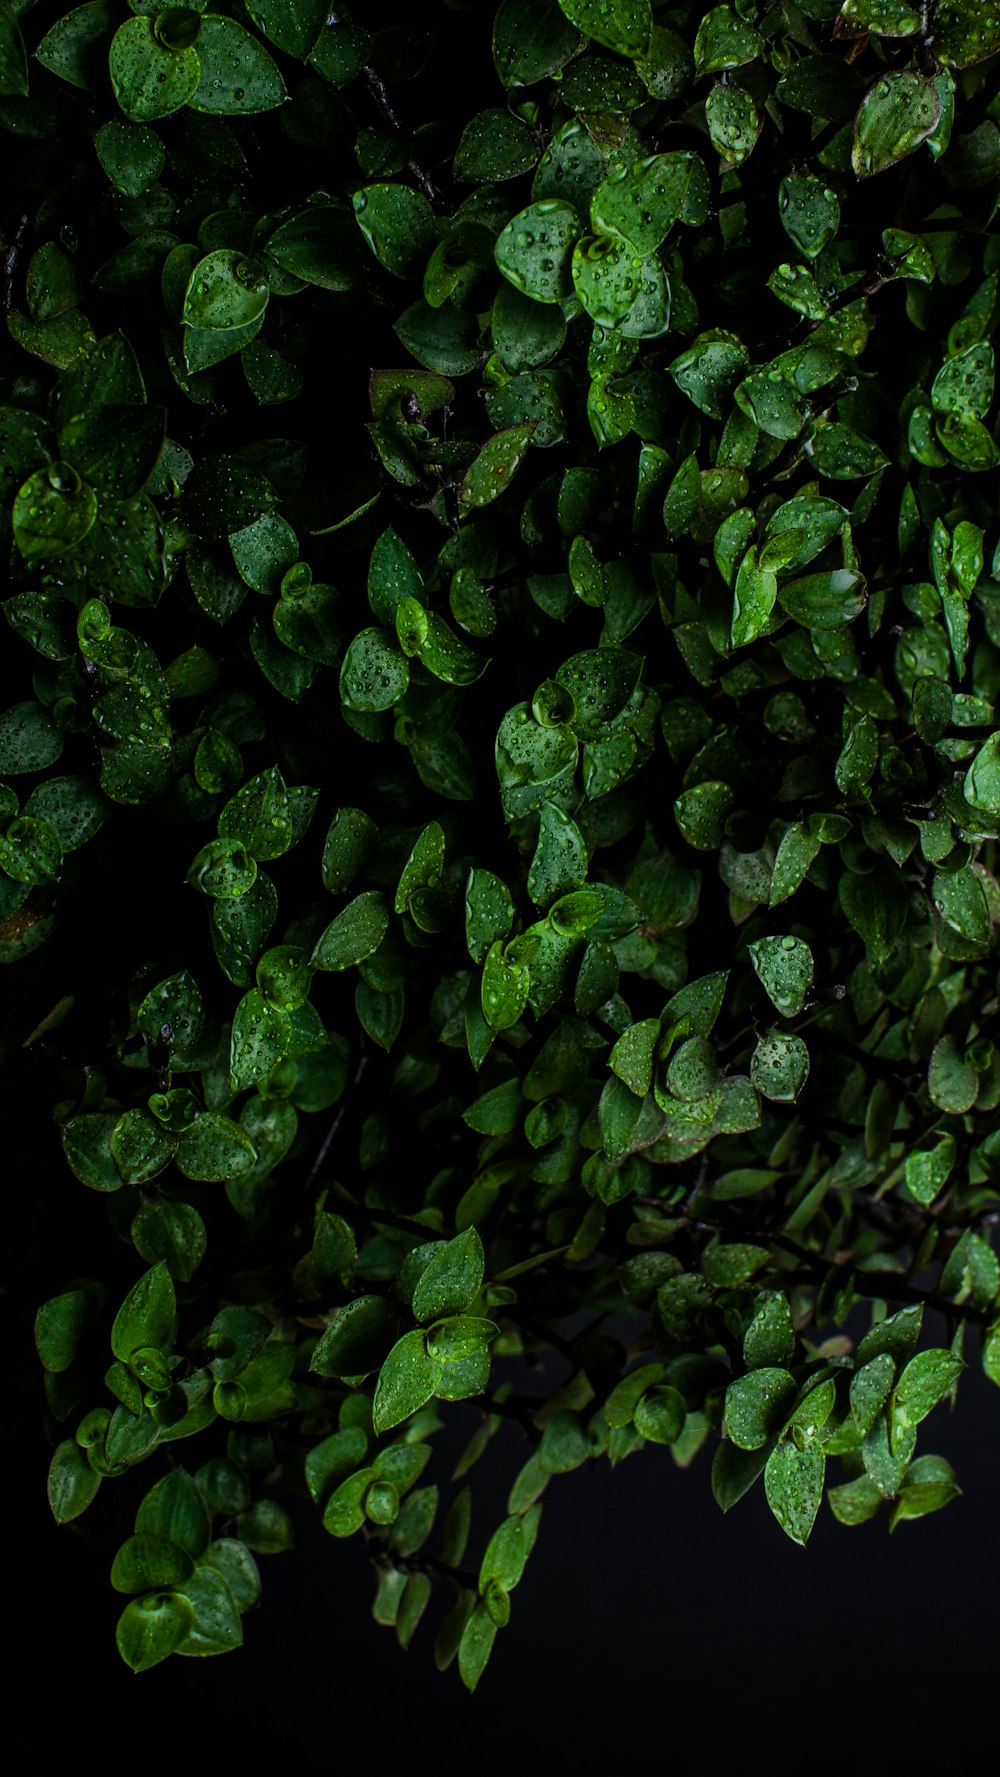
pixel 149 80
pixel 896 115
pixel 734 123
pixel 623 25
pixel 779 1066
pixel 785 969
pixel 398 224
pixel 793 1483
pixel 534 251
pixel 964 32
pixel 494 146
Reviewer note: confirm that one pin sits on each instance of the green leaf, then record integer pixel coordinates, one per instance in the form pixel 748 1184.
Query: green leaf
pixel 150 1629
pixel 896 115
pixel 964 384
pixel 354 934
pixel 233 1562
pixel 871 1386
pixel 709 371
pixel 116 448
pixel 131 155
pixel 889 18
pixel 534 251
pixel 53 511
pixel 981 786
pixel 504 990
pixel 506 1554
pixel 145 1562
pixel 622 25
pixel 796 852
pixel 753 599
pixel 357 1339
pixel 266 816
pixel 60 1325
pixel 141 1147
pixel 86 1141
pixel 216 1627
pixel 173 1232
pixel 784 967
pixel 660 1414
pixel 267 1528
pixel 490 473
pixel 29 740
pixel 261 1036
pixel 461 1343
pixel 971 1272
pixel 223 869
pixel 13 57
pixel 350 842
pixel 793 1484
pixel 757 1405
pixel 952 1081
pixel 408 1377
pixel 225 290
pixel 177 1003
pixel 213 1148
pixel 734 123
pixel 810 212
pixel 175 1510
pixel 237 75
pixel 149 80
pixel 292 25
pixel 845 455
pixel 769 1340
pixel 633 1055
pixel 858 757
pixel 642 202
pixel 876 906
pixel 927 1378
pixel 531 41
pixel 72 1482
pixel 326 1463
pixel 375 672
pixel 75 48
pixel 824 601
pixel 855 1501
pixel 146 1317
pixel 701 814
pixel 399 226
pixel 452 1279
pixel 607 277
pixel 779 1066
pixel 477 1638
pixel 734 1472
pixel 897 1334
pixel 494 146
pixel 929 1485
pixel 965 32
pixel 928 1170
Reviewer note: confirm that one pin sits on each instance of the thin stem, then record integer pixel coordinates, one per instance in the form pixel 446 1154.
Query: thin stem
pixel 326 1143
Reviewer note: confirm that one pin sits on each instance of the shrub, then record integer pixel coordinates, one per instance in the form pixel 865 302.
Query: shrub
pixel 500 794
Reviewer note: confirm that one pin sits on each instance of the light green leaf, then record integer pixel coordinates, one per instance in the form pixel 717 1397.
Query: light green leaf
pixel 793 1483
pixel 407 1379
pixel 896 115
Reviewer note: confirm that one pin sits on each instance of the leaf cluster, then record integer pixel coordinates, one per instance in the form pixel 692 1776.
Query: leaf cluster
pixel 503 647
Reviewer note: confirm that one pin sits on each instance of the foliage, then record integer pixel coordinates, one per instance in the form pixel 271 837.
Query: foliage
pixel 435 969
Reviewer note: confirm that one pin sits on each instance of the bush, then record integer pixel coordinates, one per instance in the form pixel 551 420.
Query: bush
pixel 424 973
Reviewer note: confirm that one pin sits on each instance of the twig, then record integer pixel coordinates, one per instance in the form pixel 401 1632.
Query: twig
pixel 325 1144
